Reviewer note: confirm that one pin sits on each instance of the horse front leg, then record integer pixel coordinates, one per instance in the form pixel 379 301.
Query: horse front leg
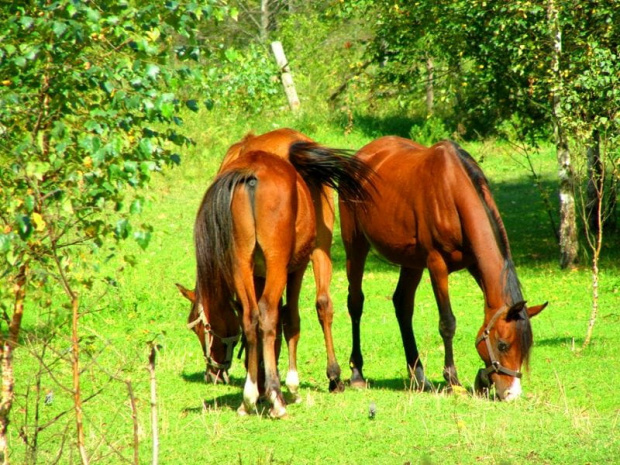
pixel 447 322
pixel 404 301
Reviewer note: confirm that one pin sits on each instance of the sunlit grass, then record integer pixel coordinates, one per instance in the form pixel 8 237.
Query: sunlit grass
pixel 568 414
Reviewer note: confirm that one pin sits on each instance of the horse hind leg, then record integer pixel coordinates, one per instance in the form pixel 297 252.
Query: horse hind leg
pixel 357 248
pixel 403 300
pixel 322 267
pixel 291 328
pixel 269 319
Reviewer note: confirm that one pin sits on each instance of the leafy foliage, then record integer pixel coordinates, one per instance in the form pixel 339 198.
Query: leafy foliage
pixel 88 112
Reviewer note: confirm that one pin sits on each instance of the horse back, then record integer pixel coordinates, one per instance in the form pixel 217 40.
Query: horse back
pixel 277 142
pixel 422 201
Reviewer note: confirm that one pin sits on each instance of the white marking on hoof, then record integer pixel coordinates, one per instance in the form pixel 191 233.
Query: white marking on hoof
pixel 250 394
pixel 278 410
pixel 292 381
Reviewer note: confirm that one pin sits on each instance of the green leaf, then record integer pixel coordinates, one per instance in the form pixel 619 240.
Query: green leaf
pixel 122 229
pixel 20 62
pixel 152 71
pixel 93 15
pixel 143 238
pixel 26 22
pixel 136 207
pixel 24 227
pixel 59 28
pixel 29 203
pixel 5 243
pixel 192 105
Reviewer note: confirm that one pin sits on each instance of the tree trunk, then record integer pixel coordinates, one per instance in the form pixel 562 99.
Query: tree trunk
pixel 77 395
pixel 430 90
pixel 154 424
pixel 6 363
pixel 569 245
pixel 264 20
pixel 595 181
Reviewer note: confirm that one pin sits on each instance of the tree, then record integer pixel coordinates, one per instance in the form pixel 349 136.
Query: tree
pixel 542 63
pixel 88 113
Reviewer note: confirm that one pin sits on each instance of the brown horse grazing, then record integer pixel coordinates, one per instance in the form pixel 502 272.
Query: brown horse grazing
pixel 281 142
pixel 432 208
pixel 255 232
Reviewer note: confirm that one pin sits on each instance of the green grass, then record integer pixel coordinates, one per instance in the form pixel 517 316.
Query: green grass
pixel 569 412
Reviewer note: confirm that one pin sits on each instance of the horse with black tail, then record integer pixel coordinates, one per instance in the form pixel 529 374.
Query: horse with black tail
pixel 256 230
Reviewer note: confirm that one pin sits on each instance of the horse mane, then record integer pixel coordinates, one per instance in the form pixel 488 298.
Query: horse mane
pixel 213 237
pixel 512 286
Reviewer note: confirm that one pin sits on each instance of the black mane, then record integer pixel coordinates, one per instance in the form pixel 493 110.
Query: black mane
pixel 512 286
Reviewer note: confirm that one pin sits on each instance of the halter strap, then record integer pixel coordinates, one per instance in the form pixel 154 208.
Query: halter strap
pixel 209 336
pixel 495 365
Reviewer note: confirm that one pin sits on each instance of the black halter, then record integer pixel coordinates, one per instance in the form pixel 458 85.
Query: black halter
pixel 209 335
pixel 495 366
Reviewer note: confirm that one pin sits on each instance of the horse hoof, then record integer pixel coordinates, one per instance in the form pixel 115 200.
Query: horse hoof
pixel 277 411
pixel 242 411
pixel 358 383
pixel 293 397
pixel 335 385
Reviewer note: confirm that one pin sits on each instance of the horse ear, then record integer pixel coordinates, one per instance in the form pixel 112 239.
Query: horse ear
pixel 514 311
pixel 189 295
pixel 533 311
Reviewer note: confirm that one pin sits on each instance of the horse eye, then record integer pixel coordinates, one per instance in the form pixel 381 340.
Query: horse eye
pixel 502 346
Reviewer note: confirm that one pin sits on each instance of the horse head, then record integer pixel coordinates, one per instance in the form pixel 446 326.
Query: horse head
pixel 504 344
pixel 212 328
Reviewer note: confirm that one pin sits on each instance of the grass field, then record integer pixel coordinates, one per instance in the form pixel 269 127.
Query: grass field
pixel 568 414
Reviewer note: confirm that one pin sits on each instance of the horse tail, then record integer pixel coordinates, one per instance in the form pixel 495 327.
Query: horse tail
pixel 335 168
pixel 213 236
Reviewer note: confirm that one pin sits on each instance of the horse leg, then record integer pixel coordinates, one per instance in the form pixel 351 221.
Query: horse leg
pixel 291 329
pixel 356 248
pixel 247 298
pixel 322 269
pixel 447 322
pixel 403 300
pixel 268 319
pixel 259 285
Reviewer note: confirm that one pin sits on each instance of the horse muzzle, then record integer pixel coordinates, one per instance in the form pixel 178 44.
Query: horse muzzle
pixel 483 382
pixel 216 377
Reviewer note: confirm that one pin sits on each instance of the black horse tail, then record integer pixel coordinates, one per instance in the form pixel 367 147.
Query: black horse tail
pixel 213 236
pixel 336 168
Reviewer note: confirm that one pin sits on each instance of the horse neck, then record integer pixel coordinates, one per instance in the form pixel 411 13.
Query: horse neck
pixel 493 265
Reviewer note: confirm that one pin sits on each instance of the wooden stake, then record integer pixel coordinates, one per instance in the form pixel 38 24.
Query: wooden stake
pixel 285 75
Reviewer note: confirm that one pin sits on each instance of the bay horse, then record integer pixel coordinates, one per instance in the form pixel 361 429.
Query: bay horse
pixel 266 215
pixel 432 208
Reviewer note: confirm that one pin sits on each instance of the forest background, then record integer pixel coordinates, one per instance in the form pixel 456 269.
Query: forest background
pixel 114 116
